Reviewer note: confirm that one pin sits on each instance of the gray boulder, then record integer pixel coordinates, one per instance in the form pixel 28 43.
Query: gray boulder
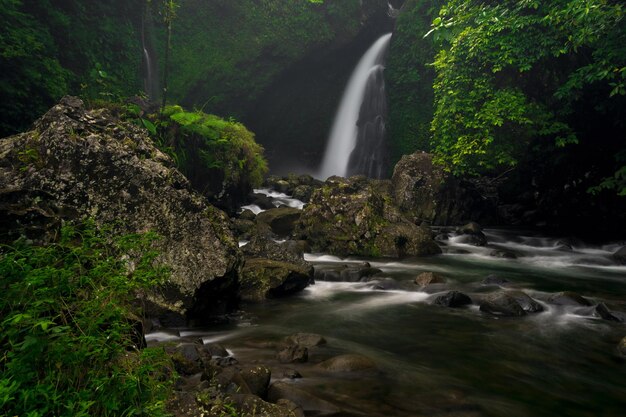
pixel 79 164
pixel 356 216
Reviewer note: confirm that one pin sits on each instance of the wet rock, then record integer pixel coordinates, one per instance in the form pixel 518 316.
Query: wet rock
pixel 356 216
pixel 252 405
pixel 261 200
pixel 568 298
pixel 329 273
pixel 303 193
pixel 356 274
pixel 442 237
pixel 502 304
pixel 264 278
pixel 453 299
pixel 385 284
pixel 471 228
pixel 291 374
pixel 281 220
pixel 305 339
pixel 620 256
pixel 185 357
pixel 525 301
pixel 425 192
pixel 215 350
pixel 309 403
pixel 263 246
pixel 473 239
pixel 247 215
pixel 495 280
pixel 88 164
pixel 621 348
pixel 294 409
pixel 293 354
pixel 428 278
pixel 602 311
pixel 348 363
pixel 257 379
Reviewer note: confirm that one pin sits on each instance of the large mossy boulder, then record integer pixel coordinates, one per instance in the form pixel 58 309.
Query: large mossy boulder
pixel 356 216
pixel 265 278
pixel 78 164
pixel 281 220
pixel 424 192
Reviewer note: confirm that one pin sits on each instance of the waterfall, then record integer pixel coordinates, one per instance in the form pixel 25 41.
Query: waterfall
pixel 343 136
pixel 150 83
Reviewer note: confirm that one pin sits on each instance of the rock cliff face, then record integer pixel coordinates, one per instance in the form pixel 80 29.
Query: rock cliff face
pixel 77 164
pixel 357 216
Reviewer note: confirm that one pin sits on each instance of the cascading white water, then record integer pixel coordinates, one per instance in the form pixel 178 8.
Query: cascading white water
pixel 344 131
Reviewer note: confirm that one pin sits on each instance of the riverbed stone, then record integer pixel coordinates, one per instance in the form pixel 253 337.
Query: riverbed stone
pixel 309 402
pixel 428 278
pixel 293 354
pixel 602 311
pixel 348 363
pixel 265 278
pixel 529 304
pixel 252 405
pixel 494 279
pixel 257 378
pixel 568 298
pixel 281 220
pixel 453 299
pixel 502 304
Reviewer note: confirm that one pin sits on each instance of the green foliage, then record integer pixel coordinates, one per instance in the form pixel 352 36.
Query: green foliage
pixel 210 151
pixel 511 71
pixel 49 48
pixel 226 53
pixel 410 76
pixel 69 341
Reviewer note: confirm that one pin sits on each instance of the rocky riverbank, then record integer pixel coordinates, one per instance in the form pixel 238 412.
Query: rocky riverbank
pixel 78 164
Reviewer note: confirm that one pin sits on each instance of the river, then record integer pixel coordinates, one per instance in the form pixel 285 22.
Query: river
pixel 434 360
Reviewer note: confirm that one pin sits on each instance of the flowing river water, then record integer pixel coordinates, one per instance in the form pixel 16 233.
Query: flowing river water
pixel 440 361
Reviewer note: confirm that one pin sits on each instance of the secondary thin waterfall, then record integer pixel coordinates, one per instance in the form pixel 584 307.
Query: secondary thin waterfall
pixel 343 136
pixel 150 83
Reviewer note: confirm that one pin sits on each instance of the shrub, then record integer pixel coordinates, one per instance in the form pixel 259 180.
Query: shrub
pixel 70 340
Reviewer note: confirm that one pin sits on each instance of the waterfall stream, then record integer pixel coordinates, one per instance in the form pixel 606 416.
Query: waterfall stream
pixel 343 136
pixel 150 79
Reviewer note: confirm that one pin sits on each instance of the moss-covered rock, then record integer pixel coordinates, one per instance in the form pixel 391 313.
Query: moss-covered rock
pixel 265 278
pixel 357 216
pixel 281 220
pixel 77 164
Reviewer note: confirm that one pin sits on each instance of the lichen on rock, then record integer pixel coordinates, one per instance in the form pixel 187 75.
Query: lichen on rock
pixel 357 216
pixel 79 164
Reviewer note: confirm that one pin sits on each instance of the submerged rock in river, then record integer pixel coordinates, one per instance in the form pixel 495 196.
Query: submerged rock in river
pixel 356 216
pixel 77 164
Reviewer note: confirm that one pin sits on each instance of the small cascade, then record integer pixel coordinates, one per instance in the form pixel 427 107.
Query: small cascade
pixel 150 78
pixel 345 130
